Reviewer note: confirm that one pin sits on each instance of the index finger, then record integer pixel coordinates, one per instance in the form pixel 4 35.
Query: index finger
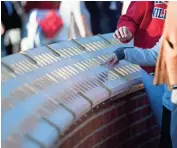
pixel 125 31
pixel 117 34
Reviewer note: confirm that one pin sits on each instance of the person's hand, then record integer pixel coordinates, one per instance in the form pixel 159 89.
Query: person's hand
pixel 123 34
pixel 112 60
pixel 2 29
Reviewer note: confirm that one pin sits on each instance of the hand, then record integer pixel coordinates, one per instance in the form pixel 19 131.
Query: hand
pixel 123 34
pixel 2 29
pixel 112 60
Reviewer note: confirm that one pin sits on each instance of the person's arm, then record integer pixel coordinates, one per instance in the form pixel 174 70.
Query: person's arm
pixel 133 17
pixel 143 57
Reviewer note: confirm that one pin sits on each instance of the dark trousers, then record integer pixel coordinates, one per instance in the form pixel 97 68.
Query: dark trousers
pixel 165 139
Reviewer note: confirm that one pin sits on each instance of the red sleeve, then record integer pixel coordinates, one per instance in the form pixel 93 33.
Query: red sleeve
pixel 133 17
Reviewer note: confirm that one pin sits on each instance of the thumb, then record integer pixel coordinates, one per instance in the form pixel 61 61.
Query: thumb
pixel 129 33
pixel 110 59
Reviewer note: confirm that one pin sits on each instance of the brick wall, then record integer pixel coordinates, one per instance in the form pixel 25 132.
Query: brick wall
pixel 126 122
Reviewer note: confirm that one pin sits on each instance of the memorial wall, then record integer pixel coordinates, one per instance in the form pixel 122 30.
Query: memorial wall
pixel 63 96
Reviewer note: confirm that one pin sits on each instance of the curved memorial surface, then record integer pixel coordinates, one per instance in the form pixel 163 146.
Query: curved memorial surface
pixel 61 95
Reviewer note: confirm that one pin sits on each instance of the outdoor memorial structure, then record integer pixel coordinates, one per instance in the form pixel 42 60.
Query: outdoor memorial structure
pixel 62 96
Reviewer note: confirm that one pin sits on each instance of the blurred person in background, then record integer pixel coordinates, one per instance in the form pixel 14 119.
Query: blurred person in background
pixel 76 20
pixel 46 25
pixel 37 12
pixel 95 16
pixel 110 13
pixel 11 23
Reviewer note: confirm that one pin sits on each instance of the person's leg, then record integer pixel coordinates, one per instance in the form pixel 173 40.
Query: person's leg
pixel 112 20
pixel 155 94
pixel 104 23
pixel 15 39
pixel 12 40
pixel 3 48
pixel 165 139
pixel 95 23
pixel 7 43
pixel 9 49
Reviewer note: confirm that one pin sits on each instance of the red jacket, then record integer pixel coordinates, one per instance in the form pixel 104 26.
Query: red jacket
pixel 145 20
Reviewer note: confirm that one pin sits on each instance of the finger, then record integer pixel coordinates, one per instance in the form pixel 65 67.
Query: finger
pixel 114 35
pixel 129 34
pixel 110 60
pixel 107 61
pixel 121 32
pixel 117 34
pixel 114 61
pixel 125 32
